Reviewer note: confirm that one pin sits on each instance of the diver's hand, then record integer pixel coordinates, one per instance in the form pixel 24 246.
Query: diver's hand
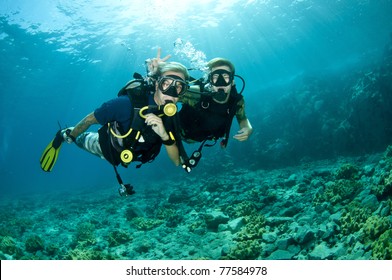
pixel 157 125
pixel 243 134
pixel 152 64
pixel 66 134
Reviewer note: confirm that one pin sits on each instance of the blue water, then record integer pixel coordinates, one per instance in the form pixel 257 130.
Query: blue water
pixel 61 59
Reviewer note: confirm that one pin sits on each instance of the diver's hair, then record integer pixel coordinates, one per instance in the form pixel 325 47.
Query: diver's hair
pixel 173 66
pixel 219 61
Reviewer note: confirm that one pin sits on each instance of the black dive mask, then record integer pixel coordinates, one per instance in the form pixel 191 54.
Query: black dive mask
pixel 172 85
pixel 220 78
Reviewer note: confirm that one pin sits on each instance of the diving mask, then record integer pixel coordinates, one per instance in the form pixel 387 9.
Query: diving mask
pixel 220 78
pixel 172 85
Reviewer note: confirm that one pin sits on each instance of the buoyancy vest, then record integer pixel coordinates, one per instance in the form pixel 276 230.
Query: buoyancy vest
pixel 208 120
pixel 122 147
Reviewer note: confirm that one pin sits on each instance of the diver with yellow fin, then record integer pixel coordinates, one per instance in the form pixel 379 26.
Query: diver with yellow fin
pixel 135 125
pixel 51 152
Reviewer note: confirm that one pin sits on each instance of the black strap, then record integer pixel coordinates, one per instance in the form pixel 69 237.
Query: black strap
pixel 124 189
pixel 192 161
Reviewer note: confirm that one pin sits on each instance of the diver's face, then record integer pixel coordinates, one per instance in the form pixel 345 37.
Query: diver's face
pixel 221 80
pixel 168 87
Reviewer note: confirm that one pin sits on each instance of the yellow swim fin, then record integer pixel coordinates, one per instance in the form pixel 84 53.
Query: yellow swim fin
pixel 51 152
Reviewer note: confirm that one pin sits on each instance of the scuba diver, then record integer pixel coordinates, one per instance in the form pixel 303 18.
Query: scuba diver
pixel 209 108
pixel 134 125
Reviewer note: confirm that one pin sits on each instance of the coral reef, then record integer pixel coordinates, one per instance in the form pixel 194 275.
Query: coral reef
pixel 319 210
pixel 383 189
pixel 374 227
pixel 338 191
pixel 253 229
pixel 142 223
pixel 347 171
pixel 85 233
pixel 244 250
pixel 382 248
pixel 34 243
pixel 8 245
pixel 118 237
pixel 353 218
pixel 83 253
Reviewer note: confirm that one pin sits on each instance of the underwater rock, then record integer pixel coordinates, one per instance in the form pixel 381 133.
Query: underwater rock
pixel 357 252
pixel 276 220
pixel 370 201
pixel 384 208
pixel 291 181
pixel 214 218
pixel 321 252
pixel 236 224
pixel 269 237
pixel 330 230
pixel 281 255
pixel 283 243
pixel 179 197
pixel 291 211
pixel 133 212
pixel 304 235
pixel 368 170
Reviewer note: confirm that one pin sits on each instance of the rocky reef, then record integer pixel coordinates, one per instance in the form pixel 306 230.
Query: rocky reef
pixel 331 209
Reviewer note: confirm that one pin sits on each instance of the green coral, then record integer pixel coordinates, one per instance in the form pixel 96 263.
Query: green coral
pixel 388 153
pixel 384 188
pixel 374 227
pixel 353 218
pixel 142 223
pixel 83 253
pixel 198 226
pixel 244 208
pixel 165 213
pixel 53 249
pixel 244 250
pixel 382 248
pixel 338 191
pixel 170 215
pixel 34 243
pixel 119 237
pixel 347 171
pixel 8 245
pixel 253 229
pixel 85 233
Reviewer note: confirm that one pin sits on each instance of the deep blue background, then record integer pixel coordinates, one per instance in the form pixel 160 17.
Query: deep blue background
pixel 60 60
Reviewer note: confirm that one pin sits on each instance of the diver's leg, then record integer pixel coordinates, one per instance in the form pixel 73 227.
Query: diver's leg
pixel 89 141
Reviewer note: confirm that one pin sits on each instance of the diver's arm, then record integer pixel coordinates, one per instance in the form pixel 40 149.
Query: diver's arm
pixel 84 124
pixel 243 122
pixel 173 153
pixel 245 130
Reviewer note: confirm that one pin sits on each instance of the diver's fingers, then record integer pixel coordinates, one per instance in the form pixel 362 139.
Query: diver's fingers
pixel 166 58
pixel 153 120
pixel 241 137
pixel 159 53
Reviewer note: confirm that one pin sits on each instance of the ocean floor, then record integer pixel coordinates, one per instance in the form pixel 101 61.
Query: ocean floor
pixel 331 209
